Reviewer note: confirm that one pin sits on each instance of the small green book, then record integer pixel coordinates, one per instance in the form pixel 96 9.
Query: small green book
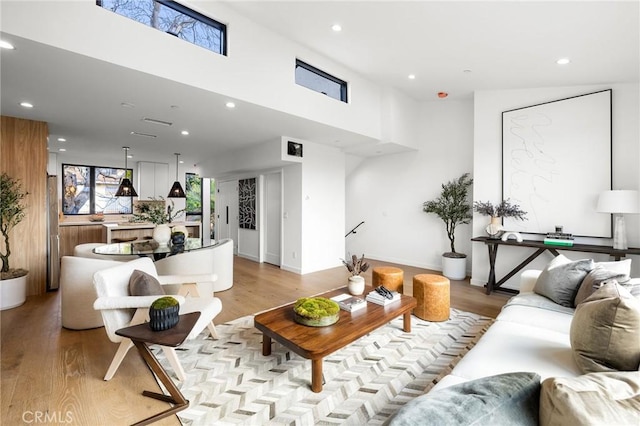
pixel 558 242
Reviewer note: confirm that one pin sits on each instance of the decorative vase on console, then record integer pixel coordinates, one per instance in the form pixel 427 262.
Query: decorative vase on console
pixel 497 212
pixel 162 234
pixel 494 228
pixel 356 266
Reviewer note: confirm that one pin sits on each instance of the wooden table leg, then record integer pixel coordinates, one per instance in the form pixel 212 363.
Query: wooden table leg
pixel 316 375
pixel 266 345
pixel 174 397
pixel 406 323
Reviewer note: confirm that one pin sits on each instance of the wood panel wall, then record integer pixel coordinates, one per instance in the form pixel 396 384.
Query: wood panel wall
pixel 23 155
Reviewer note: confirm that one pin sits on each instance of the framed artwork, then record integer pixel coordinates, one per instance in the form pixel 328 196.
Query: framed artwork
pixel 294 149
pixel 556 160
pixel 247 203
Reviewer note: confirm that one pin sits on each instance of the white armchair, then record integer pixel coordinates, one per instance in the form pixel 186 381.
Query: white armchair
pixel 217 259
pixel 120 310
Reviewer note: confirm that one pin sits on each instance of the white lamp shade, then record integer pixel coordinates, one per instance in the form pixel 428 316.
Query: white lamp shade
pixel 618 201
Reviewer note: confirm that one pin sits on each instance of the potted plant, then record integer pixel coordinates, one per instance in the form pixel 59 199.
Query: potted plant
pixel 163 313
pixel 454 209
pixel 496 212
pixel 356 266
pixel 13 282
pixel 154 211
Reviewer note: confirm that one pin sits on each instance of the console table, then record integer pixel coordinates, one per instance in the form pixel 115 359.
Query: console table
pixel 541 247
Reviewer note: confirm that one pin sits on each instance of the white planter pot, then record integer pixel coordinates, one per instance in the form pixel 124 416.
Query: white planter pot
pixel 454 268
pixel 356 285
pixel 13 292
pixel 162 234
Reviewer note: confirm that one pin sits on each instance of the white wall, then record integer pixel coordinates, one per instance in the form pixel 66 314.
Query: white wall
pixel 487 163
pixel 259 67
pixel 387 192
pixel 323 207
pixel 292 218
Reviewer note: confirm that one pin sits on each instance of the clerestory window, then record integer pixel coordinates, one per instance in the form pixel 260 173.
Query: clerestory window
pixel 320 81
pixel 175 19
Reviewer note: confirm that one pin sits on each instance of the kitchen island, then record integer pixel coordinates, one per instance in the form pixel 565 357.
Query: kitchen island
pixel 141 231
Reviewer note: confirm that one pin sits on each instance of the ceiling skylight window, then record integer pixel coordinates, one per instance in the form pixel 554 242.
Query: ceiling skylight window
pixel 174 19
pixel 320 81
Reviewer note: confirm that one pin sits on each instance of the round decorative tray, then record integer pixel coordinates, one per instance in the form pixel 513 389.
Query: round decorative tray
pixel 316 311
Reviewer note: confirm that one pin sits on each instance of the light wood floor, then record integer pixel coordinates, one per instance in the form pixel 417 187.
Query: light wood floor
pixel 51 375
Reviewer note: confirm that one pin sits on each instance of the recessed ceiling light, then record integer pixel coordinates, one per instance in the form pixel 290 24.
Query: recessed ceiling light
pixel 6 45
pixel 467 71
pixel 411 76
pixel 563 61
pixel 442 95
pixel 184 133
pixel 62 150
pixel 127 105
pixel 230 105
pixel 336 27
pixel 129 156
pixel 26 104
pixel 62 140
pixel 181 162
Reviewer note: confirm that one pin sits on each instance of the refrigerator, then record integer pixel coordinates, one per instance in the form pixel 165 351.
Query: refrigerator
pixel 53 237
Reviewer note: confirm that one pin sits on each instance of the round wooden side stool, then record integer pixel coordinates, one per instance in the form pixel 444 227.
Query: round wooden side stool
pixel 388 276
pixel 432 293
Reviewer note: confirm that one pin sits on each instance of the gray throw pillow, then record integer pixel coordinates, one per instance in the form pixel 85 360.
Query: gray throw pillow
pixel 605 331
pixel 560 280
pixel 143 284
pixel 593 281
pixel 504 399
pixel 591 399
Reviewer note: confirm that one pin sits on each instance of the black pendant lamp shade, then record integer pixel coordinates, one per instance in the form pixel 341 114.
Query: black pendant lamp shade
pixel 176 190
pixel 126 188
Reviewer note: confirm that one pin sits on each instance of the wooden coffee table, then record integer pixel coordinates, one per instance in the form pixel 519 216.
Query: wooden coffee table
pixel 315 343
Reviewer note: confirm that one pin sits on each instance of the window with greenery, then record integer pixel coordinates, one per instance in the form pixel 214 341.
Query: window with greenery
pixel 320 81
pixel 175 19
pixel 194 199
pixel 92 189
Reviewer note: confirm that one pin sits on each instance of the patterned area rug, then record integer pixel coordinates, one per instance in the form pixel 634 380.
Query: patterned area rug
pixel 229 381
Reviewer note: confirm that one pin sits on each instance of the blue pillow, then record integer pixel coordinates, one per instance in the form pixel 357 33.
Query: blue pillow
pixel 504 399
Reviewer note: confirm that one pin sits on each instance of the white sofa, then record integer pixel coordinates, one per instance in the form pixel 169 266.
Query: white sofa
pixel 532 334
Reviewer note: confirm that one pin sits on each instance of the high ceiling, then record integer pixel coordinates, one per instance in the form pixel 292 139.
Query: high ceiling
pixel 454 47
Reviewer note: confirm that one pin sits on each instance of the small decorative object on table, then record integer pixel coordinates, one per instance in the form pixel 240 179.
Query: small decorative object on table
pixel 504 209
pixel 97 217
pixel 382 296
pixel 349 303
pixel 356 267
pixel 177 238
pixel 316 311
pixel 163 313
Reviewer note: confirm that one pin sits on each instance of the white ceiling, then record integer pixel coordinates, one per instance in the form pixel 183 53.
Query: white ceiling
pixel 500 44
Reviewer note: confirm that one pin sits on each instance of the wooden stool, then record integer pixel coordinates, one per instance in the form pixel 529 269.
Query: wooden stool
pixel 432 293
pixel 389 277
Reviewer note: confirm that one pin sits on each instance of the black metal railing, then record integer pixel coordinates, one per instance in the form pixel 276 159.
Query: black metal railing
pixel 353 231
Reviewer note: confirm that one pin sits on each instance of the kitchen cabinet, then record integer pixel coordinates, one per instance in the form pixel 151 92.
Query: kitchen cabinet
pixel 153 180
pixel 72 235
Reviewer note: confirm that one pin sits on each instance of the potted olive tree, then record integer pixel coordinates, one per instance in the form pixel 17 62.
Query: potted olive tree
pixel 13 282
pixel 454 208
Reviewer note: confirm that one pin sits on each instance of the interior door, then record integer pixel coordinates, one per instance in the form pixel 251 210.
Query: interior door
pixel 227 212
pixel 273 217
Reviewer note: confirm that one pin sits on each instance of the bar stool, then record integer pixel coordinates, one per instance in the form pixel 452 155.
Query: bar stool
pixel 388 276
pixel 432 293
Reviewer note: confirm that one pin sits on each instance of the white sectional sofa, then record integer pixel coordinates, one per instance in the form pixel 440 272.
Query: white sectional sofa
pixel 532 335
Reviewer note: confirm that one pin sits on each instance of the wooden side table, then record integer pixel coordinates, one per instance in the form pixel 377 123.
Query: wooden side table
pixel 142 336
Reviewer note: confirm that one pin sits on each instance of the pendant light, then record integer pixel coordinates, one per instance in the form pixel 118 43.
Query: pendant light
pixel 176 190
pixel 126 188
